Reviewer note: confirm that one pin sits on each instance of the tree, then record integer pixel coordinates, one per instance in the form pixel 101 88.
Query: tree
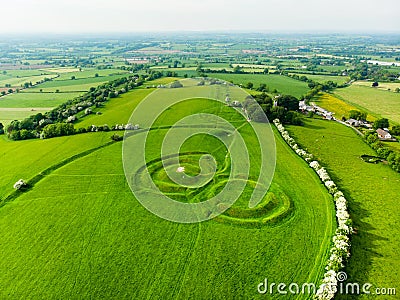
pixel 263 88
pixel 358 115
pixel 249 85
pixel 1 128
pixel 176 84
pixel 255 112
pixel 375 84
pixel 288 102
pixel 381 123
pixel 237 69
pixel 395 130
pixel 397 90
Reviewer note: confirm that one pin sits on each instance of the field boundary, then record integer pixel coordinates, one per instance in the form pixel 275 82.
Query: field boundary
pixel 38 177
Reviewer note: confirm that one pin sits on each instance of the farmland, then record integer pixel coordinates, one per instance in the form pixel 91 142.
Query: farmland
pixel 374 247
pixel 25 99
pixel 377 103
pixel 106 234
pixel 339 107
pixel 325 78
pixel 77 85
pixel 282 84
pixel 80 228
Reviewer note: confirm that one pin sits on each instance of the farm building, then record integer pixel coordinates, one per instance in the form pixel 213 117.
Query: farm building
pixel 353 122
pixel 384 135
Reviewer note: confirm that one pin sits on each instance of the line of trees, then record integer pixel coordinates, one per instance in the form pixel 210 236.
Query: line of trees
pixel 37 125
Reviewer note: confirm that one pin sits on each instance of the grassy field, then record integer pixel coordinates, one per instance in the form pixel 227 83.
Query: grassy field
pixel 325 78
pixel 383 86
pixel 337 106
pixel 376 102
pixel 24 159
pixel 81 232
pixel 77 85
pixel 7 114
pixel 19 81
pixel 373 193
pixel 88 73
pixel 27 99
pixel 23 73
pixel 283 84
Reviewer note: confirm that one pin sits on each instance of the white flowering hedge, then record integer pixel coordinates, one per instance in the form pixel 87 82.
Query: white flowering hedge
pixel 340 249
pixel 292 143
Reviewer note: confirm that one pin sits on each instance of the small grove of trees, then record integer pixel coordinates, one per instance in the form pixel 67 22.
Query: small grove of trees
pixel 381 123
pixel 393 158
pixel 358 115
pixel 285 111
pixel 116 137
pixel 59 129
pixel 176 84
pixel 395 130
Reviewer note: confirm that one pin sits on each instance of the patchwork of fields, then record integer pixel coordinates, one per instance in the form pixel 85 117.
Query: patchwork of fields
pixel 376 102
pixel 67 84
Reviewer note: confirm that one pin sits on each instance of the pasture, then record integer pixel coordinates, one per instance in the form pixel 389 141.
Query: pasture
pixel 89 236
pixel 27 100
pixel 373 192
pixel 88 73
pixel 282 84
pixel 339 107
pixel 9 114
pixel 384 86
pixel 18 82
pixel 325 78
pixel 77 85
pixel 376 102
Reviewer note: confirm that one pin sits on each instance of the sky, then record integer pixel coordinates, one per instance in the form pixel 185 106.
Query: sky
pixel 108 16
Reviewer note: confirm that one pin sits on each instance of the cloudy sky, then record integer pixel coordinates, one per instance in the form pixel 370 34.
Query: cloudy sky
pixel 87 16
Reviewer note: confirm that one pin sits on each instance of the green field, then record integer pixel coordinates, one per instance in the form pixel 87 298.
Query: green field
pixel 373 193
pixel 7 114
pixel 325 78
pixel 80 231
pixel 77 85
pixel 376 102
pixel 27 99
pixel 24 73
pixel 283 84
pixel 19 81
pixel 88 73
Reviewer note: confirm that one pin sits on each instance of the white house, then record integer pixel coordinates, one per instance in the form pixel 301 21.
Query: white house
pixel 384 135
